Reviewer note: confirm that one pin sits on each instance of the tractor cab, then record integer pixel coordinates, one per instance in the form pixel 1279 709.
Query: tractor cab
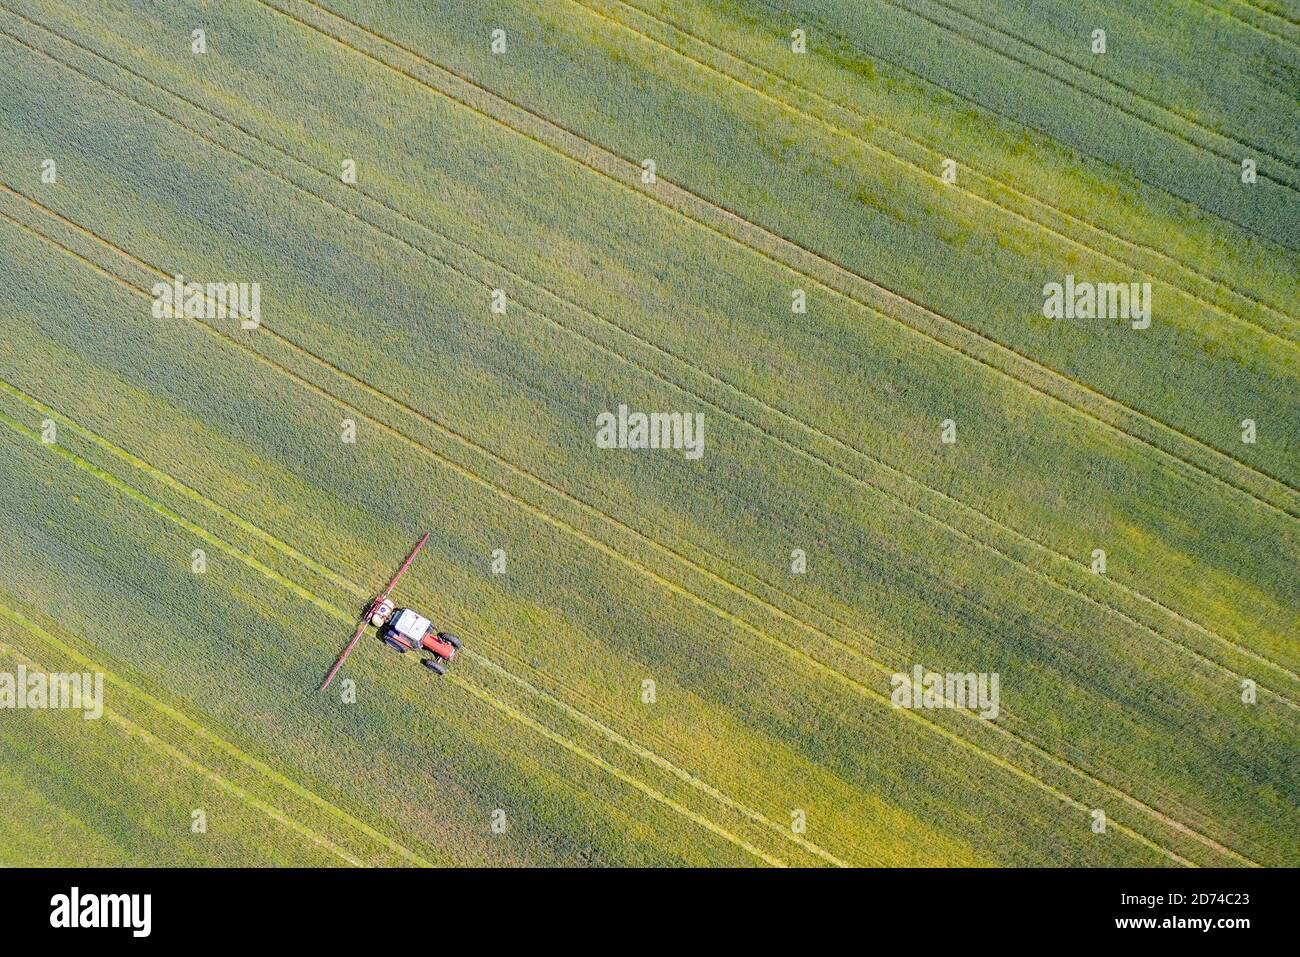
pixel 406 623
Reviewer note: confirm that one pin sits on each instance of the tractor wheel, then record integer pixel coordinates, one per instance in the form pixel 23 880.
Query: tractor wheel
pixel 395 645
pixel 451 640
pixel 434 665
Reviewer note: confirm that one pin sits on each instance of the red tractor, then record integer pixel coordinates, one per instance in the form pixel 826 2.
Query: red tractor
pixel 402 629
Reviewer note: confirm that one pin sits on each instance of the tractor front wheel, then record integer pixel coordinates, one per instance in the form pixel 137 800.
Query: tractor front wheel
pixel 434 665
pixel 450 639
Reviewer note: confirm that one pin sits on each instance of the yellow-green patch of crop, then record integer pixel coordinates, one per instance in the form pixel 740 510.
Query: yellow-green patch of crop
pixel 128 797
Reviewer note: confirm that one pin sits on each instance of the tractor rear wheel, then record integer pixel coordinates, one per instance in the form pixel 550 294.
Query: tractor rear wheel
pixel 434 665
pixel 395 645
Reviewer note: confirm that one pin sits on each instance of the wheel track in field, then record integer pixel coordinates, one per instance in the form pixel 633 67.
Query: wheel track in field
pixel 334 611
pixel 1110 100
pixel 743 624
pixel 1288 321
pixel 832 31
pixel 1142 626
pixel 714 217
pixel 1293 21
pixel 1230 12
pixel 811 455
pixel 173 752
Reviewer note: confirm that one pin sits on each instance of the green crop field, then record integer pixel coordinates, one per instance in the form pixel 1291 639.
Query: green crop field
pixel 826 230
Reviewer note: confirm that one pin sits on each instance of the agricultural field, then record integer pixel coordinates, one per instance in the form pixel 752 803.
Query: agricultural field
pixel 824 231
